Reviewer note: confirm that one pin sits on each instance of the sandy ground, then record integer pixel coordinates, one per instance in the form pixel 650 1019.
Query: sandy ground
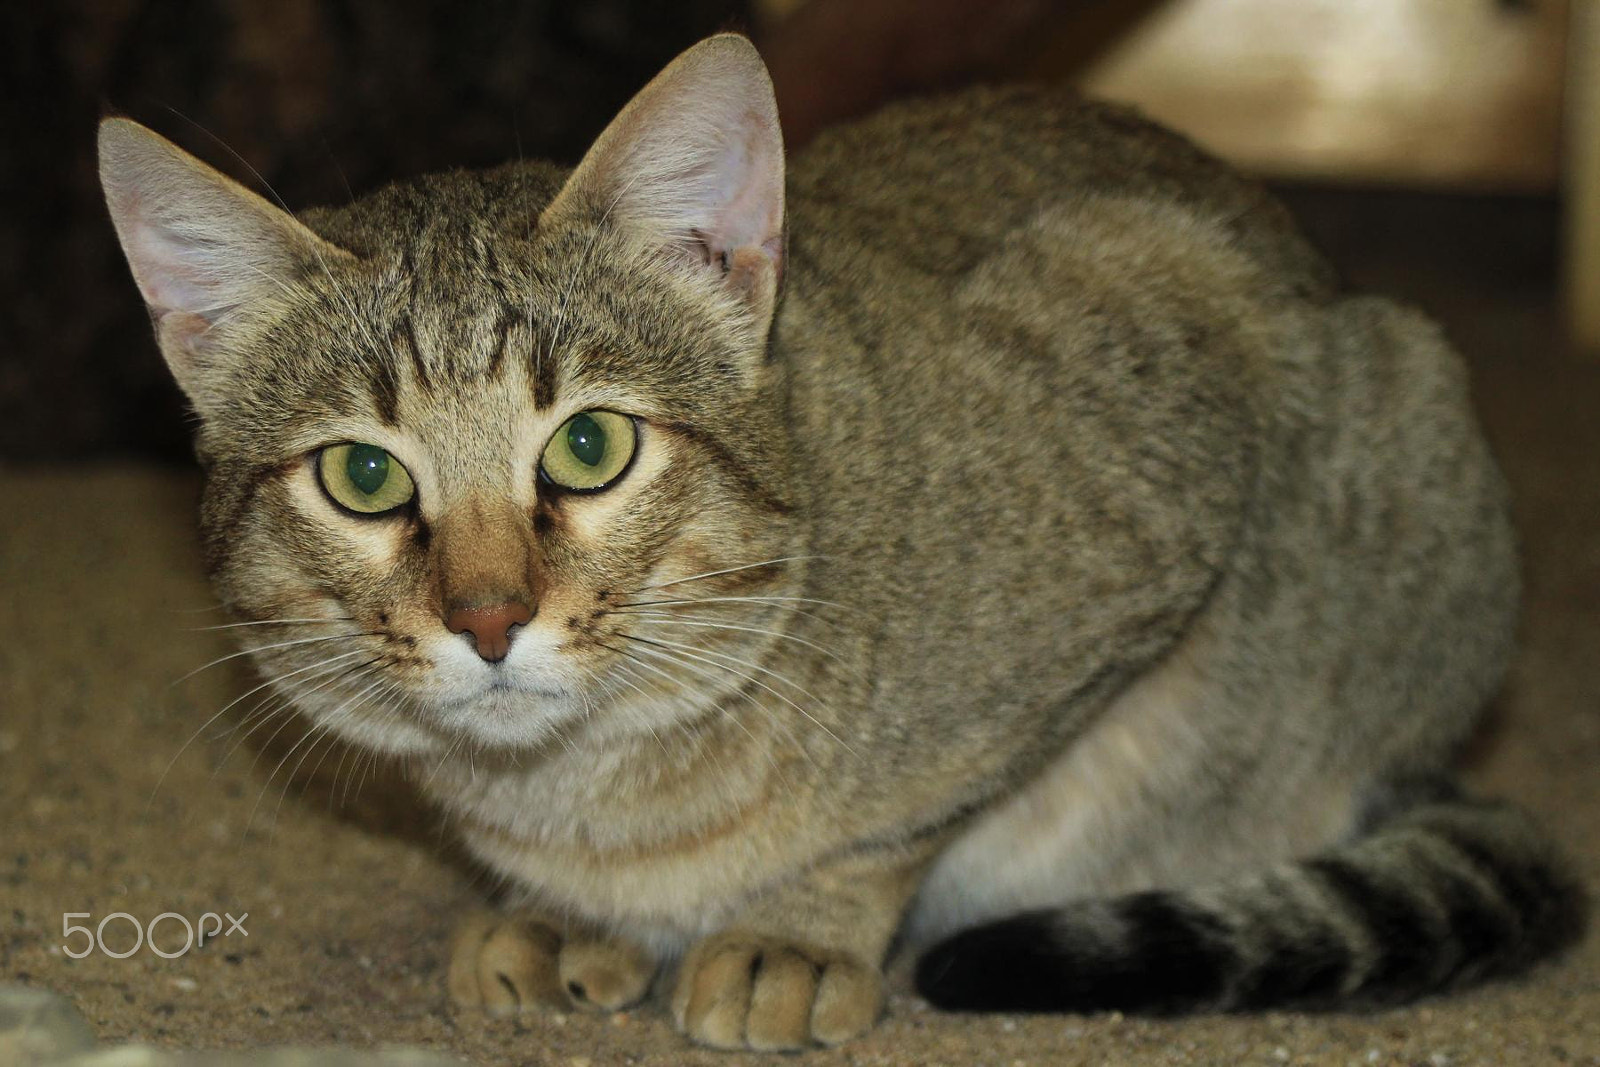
pixel 350 898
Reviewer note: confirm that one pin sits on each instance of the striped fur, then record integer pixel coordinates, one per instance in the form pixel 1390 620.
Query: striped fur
pixel 1443 895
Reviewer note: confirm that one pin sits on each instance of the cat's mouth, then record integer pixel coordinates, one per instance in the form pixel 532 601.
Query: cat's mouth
pixel 504 689
pixel 506 712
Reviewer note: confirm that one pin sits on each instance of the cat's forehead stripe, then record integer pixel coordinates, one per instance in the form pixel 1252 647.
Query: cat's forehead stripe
pixel 509 316
pixel 543 377
pixel 385 389
pixel 407 336
pixel 468 310
pixel 406 333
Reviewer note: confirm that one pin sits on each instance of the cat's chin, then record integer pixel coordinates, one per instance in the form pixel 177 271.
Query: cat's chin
pixel 508 717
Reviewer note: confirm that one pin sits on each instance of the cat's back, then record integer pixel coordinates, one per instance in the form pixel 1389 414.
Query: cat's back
pixel 927 188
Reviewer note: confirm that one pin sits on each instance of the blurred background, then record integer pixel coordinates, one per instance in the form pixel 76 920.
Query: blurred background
pixel 1451 128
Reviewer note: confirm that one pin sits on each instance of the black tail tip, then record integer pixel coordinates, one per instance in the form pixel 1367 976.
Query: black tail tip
pixel 975 970
pixel 1150 953
pixel 1003 966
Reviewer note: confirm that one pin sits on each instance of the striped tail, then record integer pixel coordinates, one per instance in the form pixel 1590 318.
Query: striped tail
pixel 1438 896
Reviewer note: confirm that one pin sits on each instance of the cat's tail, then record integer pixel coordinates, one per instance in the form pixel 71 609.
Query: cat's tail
pixel 1437 895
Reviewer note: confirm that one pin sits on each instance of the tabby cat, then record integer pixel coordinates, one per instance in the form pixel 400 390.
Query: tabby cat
pixel 996 539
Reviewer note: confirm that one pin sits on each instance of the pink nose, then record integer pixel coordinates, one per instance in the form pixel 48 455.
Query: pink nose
pixel 490 626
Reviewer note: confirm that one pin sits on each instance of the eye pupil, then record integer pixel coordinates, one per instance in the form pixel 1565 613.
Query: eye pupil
pixel 586 440
pixel 367 467
pixel 589 451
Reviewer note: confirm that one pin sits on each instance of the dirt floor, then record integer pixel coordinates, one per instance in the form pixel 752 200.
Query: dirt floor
pixel 350 899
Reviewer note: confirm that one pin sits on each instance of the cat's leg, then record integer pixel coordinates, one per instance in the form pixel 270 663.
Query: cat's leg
pixel 803 964
pixel 506 962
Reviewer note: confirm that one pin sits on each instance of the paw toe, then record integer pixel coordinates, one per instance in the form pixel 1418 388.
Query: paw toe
pixel 780 1002
pixel 516 968
pixel 736 992
pixel 502 964
pixel 849 1000
pixel 605 975
pixel 719 996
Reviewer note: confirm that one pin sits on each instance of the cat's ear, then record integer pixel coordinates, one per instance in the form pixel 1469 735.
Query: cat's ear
pixel 696 160
pixel 199 244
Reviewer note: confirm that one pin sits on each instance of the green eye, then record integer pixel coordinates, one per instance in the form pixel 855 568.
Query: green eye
pixel 589 450
pixel 364 478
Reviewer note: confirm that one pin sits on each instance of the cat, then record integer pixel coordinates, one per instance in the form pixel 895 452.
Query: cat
pixel 995 540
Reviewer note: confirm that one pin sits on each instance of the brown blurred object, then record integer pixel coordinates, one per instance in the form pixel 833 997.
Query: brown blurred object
pixel 1582 177
pixel 833 60
pixel 1452 93
pixel 1456 95
pixel 1461 94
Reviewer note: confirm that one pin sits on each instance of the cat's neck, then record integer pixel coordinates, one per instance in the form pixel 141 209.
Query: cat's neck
pixel 638 786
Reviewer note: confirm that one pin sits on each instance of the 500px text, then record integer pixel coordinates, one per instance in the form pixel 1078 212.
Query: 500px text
pixel 209 927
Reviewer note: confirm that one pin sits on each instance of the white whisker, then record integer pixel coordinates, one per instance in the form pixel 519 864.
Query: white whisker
pixel 735 600
pixel 316 729
pixel 286 703
pixel 753 681
pixel 259 622
pixel 327 730
pixel 727 570
pixel 268 648
pixel 741 662
pixel 678 620
pixel 173 762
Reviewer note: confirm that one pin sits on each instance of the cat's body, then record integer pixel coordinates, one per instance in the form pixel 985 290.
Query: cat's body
pixel 1070 536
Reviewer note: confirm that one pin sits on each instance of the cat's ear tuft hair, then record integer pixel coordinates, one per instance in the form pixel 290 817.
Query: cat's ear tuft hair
pixel 199 244
pixel 696 160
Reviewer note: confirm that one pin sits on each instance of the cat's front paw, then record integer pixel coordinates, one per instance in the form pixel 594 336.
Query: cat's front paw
pixel 507 963
pixel 605 974
pixel 738 991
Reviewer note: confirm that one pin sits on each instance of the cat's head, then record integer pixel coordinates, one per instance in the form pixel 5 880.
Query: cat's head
pixel 470 442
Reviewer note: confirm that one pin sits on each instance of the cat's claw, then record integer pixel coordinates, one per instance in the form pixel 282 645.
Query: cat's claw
pixel 506 963
pixel 739 991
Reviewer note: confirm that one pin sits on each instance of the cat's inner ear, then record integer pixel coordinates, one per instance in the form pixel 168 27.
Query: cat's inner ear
pixel 696 160
pixel 199 244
